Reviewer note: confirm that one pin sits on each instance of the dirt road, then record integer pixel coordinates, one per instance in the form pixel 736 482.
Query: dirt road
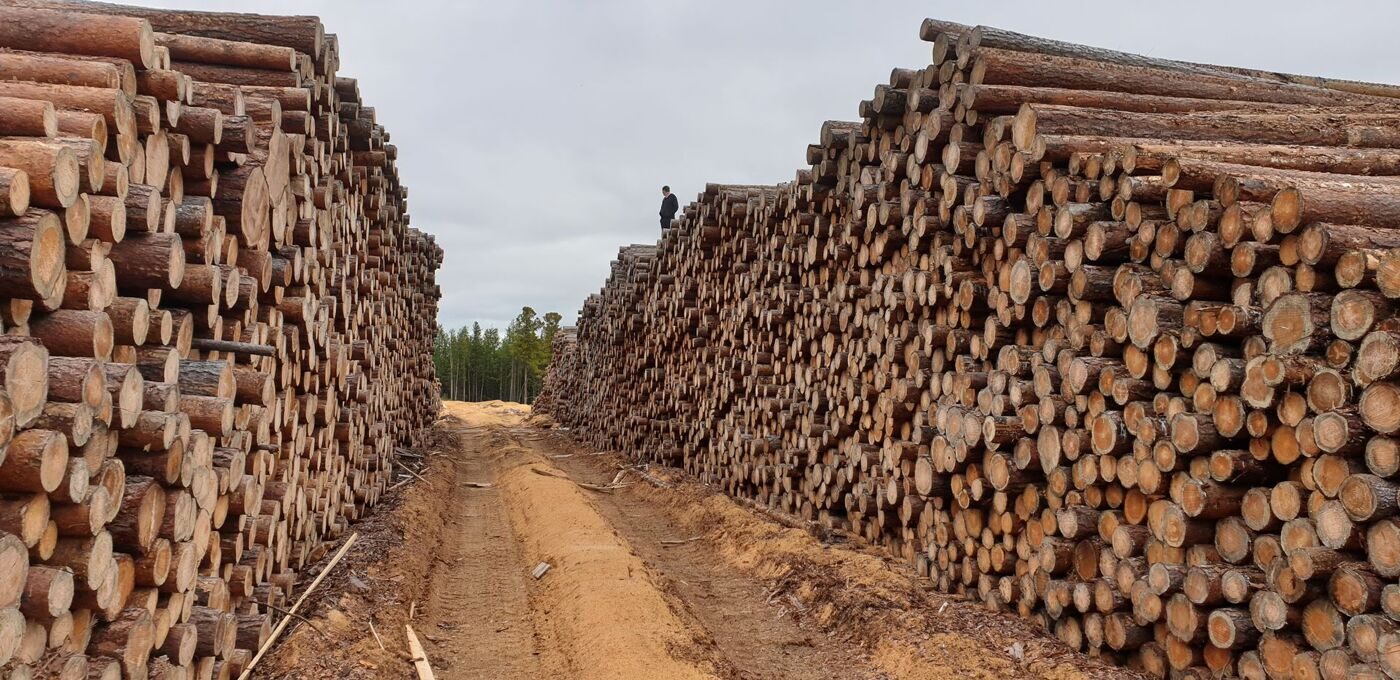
pixel 626 595
pixel 482 608
pixel 650 576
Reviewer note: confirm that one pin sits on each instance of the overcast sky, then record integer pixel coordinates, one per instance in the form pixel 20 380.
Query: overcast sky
pixel 535 136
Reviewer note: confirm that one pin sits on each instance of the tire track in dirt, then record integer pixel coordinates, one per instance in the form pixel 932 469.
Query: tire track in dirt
pixel 729 626
pixel 478 622
pixel 597 614
pixel 753 633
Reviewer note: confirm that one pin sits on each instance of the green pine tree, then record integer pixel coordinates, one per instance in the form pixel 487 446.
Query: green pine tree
pixel 482 364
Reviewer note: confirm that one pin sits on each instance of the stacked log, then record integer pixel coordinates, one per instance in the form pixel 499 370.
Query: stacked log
pixel 217 331
pixel 1106 340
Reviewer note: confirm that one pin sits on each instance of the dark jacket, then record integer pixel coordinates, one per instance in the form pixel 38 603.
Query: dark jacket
pixel 669 206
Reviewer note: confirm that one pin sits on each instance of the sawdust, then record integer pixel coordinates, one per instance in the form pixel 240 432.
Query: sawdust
pixel 912 632
pixel 487 413
pixel 604 603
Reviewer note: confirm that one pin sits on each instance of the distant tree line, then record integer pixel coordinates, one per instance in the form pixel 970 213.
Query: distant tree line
pixel 476 364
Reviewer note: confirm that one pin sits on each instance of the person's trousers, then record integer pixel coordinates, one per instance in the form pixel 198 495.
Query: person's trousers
pixel 665 223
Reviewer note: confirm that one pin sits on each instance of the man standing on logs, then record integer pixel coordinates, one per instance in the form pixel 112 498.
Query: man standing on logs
pixel 669 206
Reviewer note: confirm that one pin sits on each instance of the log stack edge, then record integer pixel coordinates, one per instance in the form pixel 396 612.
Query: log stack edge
pixel 1106 340
pixel 217 331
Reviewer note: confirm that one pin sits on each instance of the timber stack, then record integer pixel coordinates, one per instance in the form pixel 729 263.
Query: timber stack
pixel 217 331
pixel 1107 340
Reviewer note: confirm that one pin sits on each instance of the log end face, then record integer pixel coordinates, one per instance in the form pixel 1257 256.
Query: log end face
pixel 1288 323
pixel 1173 526
pixel 145 43
pixel 176 266
pixel 53 464
pixel 1383 547
pixel 130 393
pixel 1185 432
pixel 1334 527
pixel 1023 128
pixel 67 177
pixel 1378 357
pixel 103 336
pixel 1387 273
pixel 1142 322
pixel 1353 314
pixel 47 257
pixel 1380 407
pixel 1322 625
pixel 1221 630
pixel 16 183
pixel 1171 172
pixel 1330 431
pixel 27 382
pixel 1286 210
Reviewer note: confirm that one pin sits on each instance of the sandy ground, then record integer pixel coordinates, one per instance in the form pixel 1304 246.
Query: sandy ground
pixel 651 576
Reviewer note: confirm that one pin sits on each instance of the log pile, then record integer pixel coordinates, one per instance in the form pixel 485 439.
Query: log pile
pixel 217 328
pixel 1106 340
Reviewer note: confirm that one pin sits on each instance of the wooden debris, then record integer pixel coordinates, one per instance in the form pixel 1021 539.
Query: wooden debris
pixel 420 655
pixel 378 640
pixel 282 625
pixel 683 541
pixel 591 487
